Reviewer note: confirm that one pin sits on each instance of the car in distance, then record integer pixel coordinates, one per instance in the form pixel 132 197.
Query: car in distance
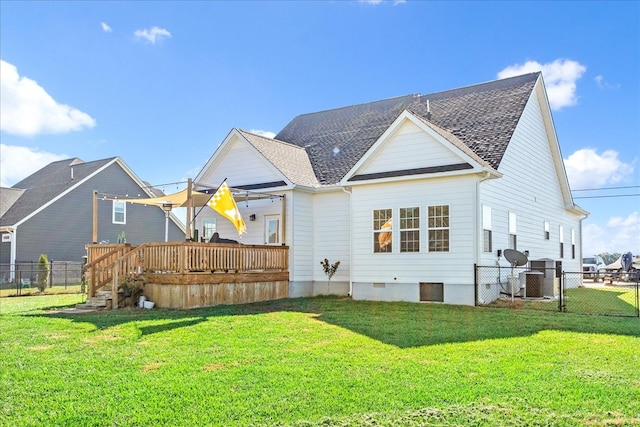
pixel 591 267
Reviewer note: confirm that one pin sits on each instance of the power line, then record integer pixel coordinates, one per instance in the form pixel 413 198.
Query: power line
pixel 607 188
pixel 602 197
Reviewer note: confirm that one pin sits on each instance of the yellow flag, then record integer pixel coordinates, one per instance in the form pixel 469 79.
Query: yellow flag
pixel 223 203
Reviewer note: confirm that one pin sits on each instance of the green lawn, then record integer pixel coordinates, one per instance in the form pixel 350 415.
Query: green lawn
pixel 9 289
pixel 315 362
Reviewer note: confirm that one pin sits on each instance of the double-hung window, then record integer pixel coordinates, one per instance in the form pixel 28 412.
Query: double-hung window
pixel 438 228
pixel 513 236
pixel 119 212
pixel 546 230
pixel 382 230
pixel 208 228
pixel 486 229
pixel 409 229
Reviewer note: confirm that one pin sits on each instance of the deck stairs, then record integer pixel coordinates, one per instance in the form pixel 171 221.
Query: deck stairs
pixel 102 300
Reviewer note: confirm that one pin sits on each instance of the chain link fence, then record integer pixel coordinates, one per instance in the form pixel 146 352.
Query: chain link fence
pixel 610 294
pixel 22 277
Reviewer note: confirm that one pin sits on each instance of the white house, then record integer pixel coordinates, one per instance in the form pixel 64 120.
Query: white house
pixel 458 176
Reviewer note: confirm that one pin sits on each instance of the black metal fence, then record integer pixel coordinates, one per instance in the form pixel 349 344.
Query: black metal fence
pixel 22 276
pixel 611 294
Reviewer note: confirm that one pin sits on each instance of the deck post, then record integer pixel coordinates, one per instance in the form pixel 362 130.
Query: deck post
pixel 95 217
pixel 189 210
pixel 284 219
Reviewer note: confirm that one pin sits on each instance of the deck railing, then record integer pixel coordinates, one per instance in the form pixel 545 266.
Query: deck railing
pixel 108 264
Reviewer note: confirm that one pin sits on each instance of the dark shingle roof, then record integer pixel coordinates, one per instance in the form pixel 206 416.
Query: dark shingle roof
pixel 46 184
pixel 292 161
pixel 482 116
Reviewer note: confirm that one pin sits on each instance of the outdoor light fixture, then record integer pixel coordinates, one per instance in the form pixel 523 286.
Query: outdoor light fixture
pixel 252 217
pixel 166 207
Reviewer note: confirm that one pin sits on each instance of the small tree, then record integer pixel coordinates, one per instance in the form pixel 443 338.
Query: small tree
pixel 43 272
pixel 329 269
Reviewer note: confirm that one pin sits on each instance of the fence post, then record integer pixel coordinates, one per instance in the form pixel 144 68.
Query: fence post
pixel 637 297
pixel 561 281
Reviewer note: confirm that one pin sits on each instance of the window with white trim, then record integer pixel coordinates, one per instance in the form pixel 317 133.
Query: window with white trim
pixel 119 212
pixel 382 230
pixel 208 228
pixel 438 228
pixel 272 229
pixel 561 231
pixel 573 244
pixel 513 231
pixel 409 229
pixel 546 230
pixel 486 229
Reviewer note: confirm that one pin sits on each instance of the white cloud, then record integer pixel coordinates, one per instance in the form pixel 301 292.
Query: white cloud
pixel 603 84
pixel 27 109
pixel 265 133
pixel 17 163
pixel 618 235
pixel 106 28
pixel 588 169
pixel 152 35
pixel 560 77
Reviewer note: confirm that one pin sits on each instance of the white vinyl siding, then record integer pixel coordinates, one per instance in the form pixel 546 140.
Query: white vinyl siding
pixel 422 266
pixel 240 156
pixel 529 186
pixel 329 228
pixel 409 148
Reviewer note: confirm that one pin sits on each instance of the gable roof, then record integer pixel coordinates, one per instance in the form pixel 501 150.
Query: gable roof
pixel 47 183
pixel 469 160
pixel 483 117
pixel 292 161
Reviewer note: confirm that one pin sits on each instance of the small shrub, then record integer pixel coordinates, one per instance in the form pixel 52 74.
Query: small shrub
pixel 43 272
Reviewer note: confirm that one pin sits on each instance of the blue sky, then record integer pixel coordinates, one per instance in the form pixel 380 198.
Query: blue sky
pixel 161 84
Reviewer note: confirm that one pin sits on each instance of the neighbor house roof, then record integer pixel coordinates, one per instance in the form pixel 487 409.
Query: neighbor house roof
pixel 483 117
pixel 46 184
pixel 8 196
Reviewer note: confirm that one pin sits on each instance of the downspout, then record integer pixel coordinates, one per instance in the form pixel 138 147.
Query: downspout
pixel 478 222
pixel 350 241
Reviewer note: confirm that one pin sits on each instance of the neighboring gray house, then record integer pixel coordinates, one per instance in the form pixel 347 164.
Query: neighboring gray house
pixel 51 211
pixel 408 193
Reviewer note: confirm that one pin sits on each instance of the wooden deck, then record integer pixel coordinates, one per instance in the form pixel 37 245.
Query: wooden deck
pixel 190 274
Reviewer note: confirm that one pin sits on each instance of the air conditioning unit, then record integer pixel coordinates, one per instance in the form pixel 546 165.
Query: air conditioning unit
pixel 533 282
